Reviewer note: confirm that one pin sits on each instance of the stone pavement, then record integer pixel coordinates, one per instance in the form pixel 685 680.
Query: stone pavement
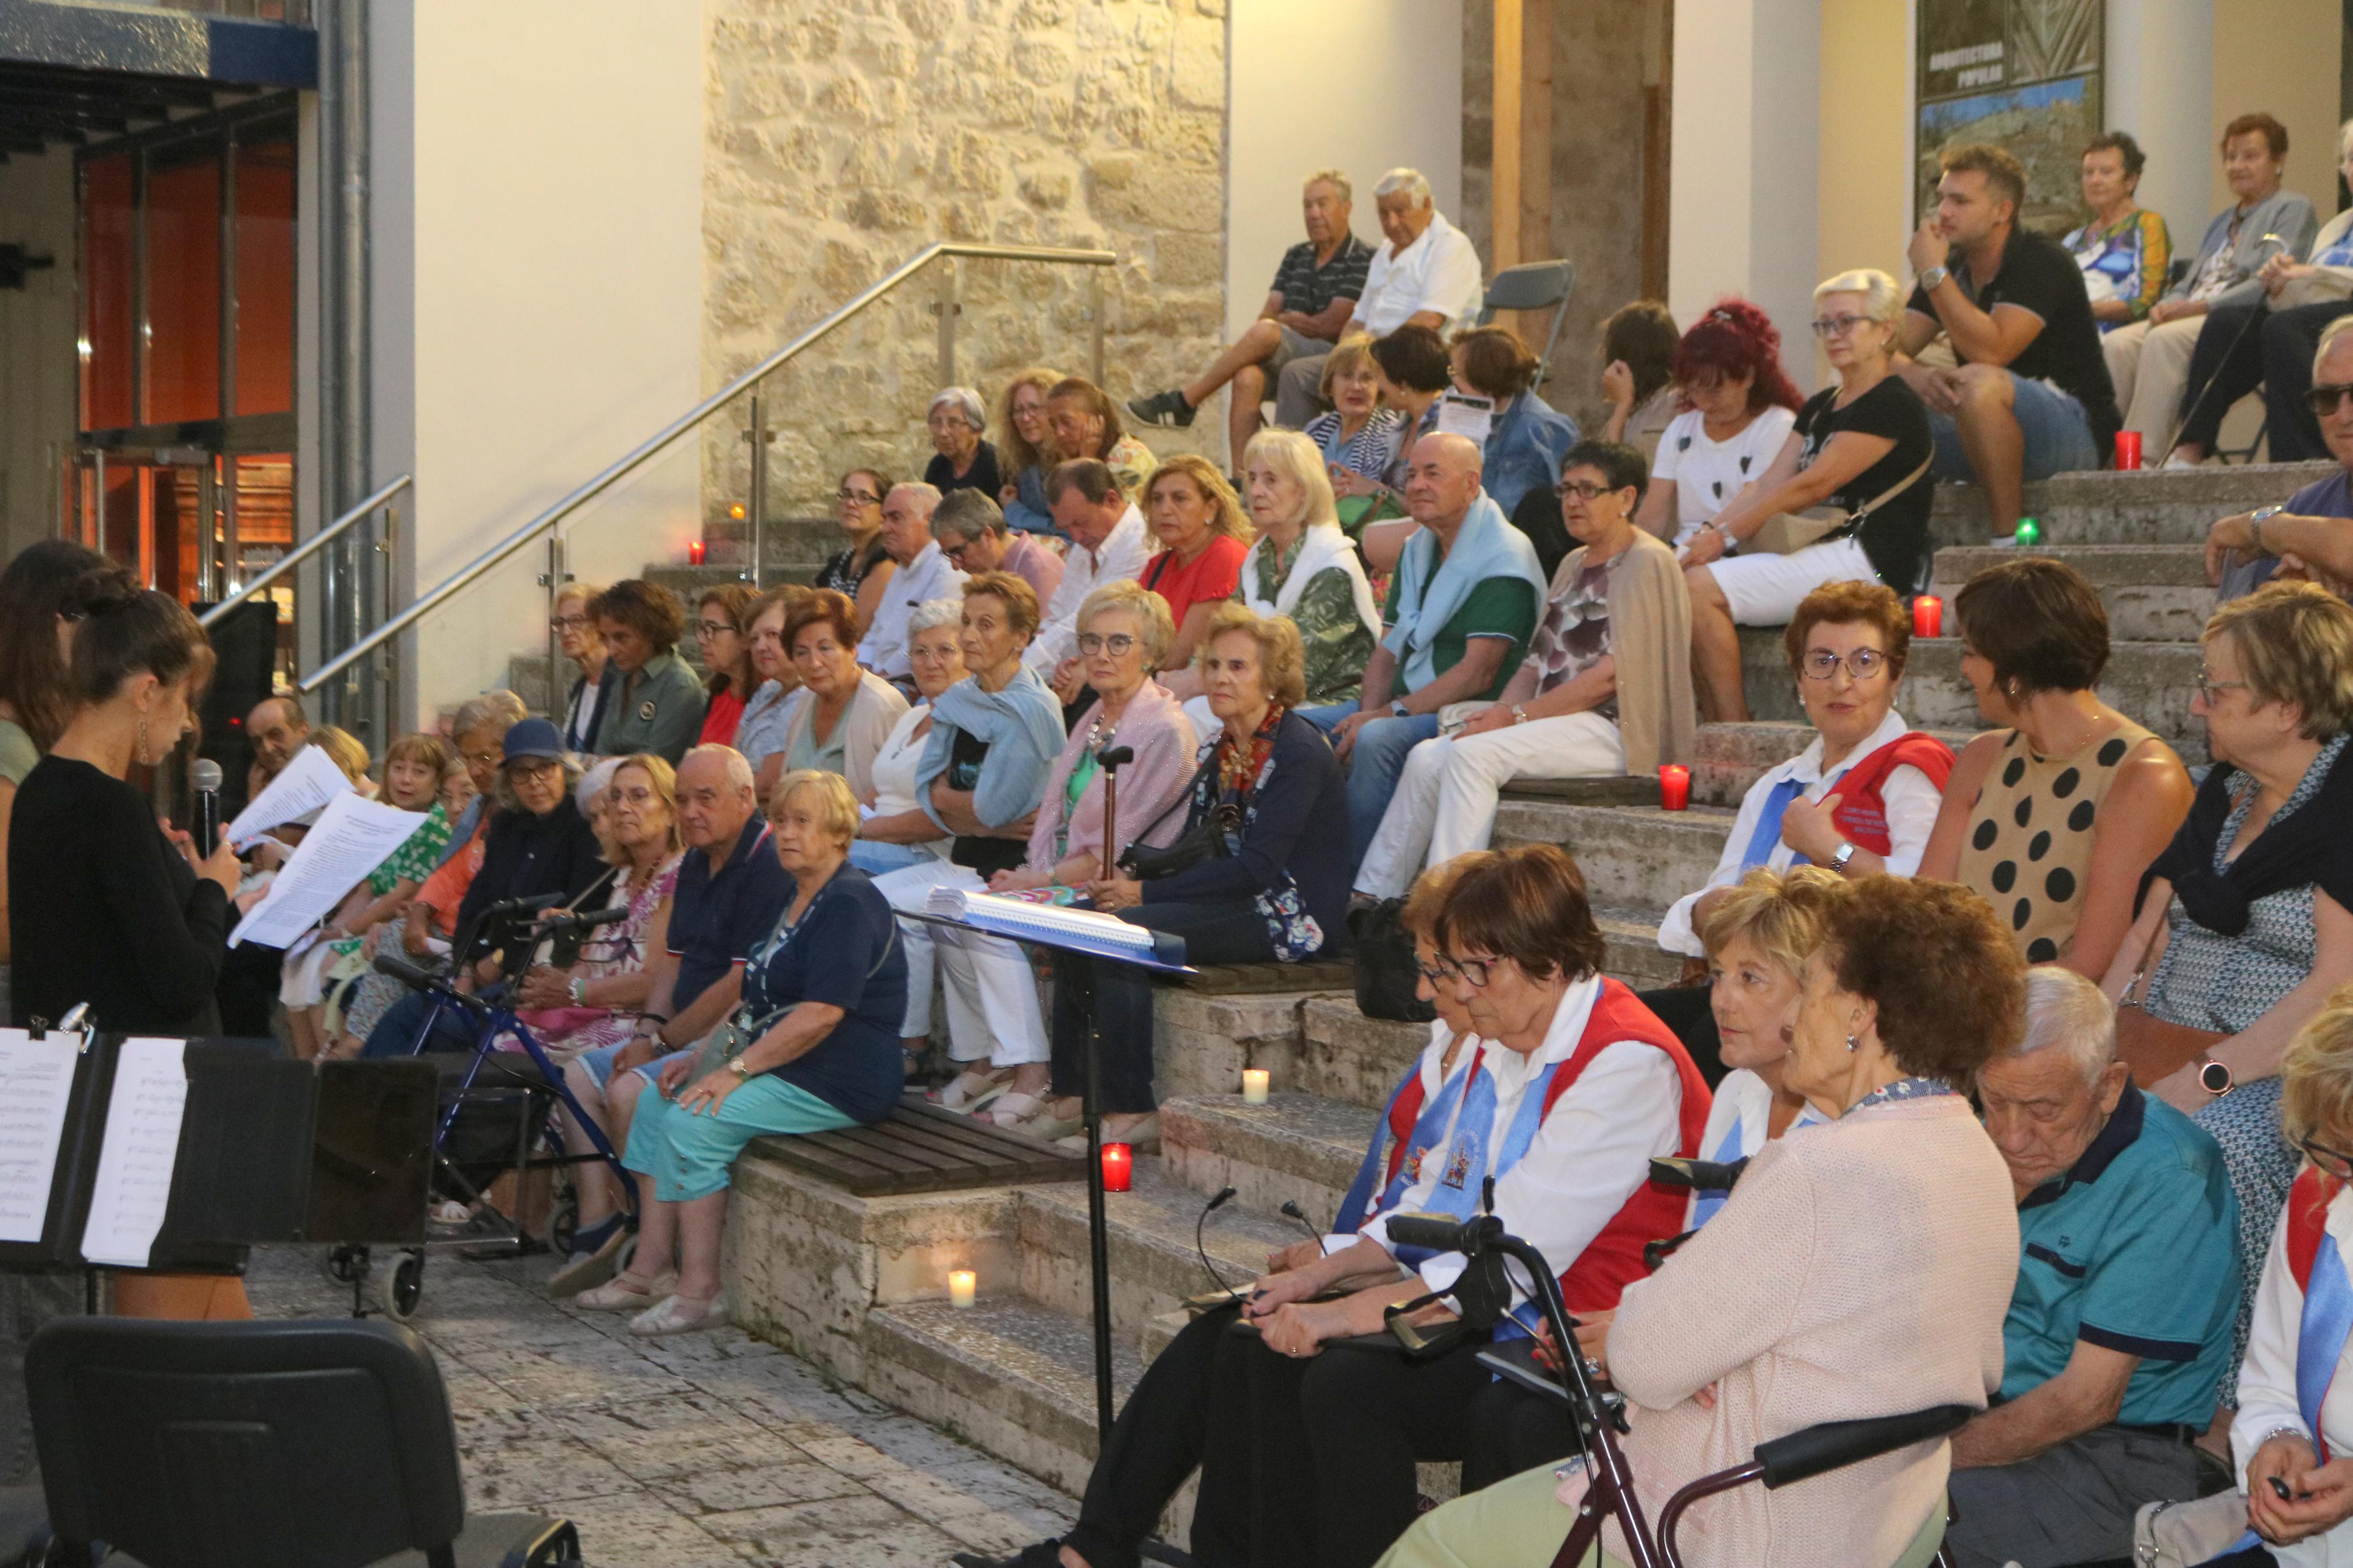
pixel 700 1451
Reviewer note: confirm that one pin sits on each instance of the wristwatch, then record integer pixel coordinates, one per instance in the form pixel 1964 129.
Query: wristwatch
pixel 2255 520
pixel 1931 277
pixel 2214 1077
pixel 735 1065
pixel 1840 856
pixel 1398 709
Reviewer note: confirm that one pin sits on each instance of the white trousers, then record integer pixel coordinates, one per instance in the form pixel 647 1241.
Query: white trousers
pixel 992 995
pixel 2150 367
pixel 1446 795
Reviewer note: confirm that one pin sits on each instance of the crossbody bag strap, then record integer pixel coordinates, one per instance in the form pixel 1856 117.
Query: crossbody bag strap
pixel 2134 995
pixel 1891 492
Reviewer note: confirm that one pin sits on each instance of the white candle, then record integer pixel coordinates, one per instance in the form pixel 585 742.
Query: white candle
pixel 962 1285
pixel 1254 1086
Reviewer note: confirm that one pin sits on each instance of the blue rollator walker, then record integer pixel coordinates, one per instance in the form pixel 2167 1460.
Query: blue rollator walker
pixel 493 1116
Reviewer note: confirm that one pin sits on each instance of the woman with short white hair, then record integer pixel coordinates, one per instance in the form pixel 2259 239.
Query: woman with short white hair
pixel 963 461
pixel 1862 448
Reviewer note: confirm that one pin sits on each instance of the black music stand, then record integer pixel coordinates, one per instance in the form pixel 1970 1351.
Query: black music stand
pixel 1168 959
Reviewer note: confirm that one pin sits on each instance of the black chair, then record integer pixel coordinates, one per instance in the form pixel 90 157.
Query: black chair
pixel 323 1444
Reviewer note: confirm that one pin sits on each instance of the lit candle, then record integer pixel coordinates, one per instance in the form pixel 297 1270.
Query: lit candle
pixel 1118 1167
pixel 1254 1086
pixel 2029 534
pixel 1927 616
pixel 962 1286
pixel 1674 787
pixel 694 552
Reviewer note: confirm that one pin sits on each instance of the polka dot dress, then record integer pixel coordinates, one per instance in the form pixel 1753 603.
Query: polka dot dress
pixel 2028 846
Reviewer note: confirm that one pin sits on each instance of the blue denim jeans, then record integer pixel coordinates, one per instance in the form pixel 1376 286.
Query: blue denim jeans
pixel 1374 765
pixel 874 857
pixel 2057 432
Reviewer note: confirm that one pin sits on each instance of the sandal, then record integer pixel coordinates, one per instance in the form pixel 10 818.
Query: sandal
pixel 1014 1108
pixel 678 1315
pixel 972 1088
pixel 627 1292
pixel 1144 1137
pixel 1046 1127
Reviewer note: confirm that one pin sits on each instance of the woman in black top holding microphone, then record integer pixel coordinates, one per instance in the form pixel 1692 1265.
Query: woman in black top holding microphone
pixel 113 909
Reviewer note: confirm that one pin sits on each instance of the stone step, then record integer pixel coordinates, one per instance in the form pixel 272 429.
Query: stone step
pixel 1633 856
pixel 1732 757
pixel 1296 1148
pixel 1348 1057
pixel 2153 593
pixel 1153 1264
pixel 1203 1040
pixel 2154 506
pixel 2151 682
pixel 1010 1377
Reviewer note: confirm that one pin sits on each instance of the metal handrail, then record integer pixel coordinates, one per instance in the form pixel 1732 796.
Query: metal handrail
pixel 304 550
pixel 424 603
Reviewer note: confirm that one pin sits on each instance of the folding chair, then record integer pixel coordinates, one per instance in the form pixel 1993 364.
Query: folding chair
pixel 1533 286
pixel 321 1443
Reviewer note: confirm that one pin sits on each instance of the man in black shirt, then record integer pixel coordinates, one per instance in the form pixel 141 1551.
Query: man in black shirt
pixel 2031 396
pixel 1315 293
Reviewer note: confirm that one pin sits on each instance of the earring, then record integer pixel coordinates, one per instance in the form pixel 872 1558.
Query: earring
pixel 143 759
pixel 1851 1042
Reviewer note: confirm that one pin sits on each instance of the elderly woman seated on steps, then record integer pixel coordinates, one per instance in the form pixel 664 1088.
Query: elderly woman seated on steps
pixel 814 1046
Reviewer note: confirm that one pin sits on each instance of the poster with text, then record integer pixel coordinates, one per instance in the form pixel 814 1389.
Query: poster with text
pixel 2022 74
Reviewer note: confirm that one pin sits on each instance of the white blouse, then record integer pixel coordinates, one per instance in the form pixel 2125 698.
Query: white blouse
pixel 894 773
pixel 2267 1382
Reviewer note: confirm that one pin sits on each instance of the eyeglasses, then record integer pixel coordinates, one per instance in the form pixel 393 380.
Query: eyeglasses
pixel 1477 970
pixel 2208 685
pixel 1119 644
pixel 954 554
pixel 1860 665
pixel 568 623
pixel 1584 490
pixel 2324 401
pixel 1836 326
pixel 864 498
pixel 2332 1162
pixel 713 629
pixel 533 767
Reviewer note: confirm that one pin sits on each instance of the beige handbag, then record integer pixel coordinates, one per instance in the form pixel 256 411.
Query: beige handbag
pixel 2183 1534
pixel 1786 532
pixel 2328 286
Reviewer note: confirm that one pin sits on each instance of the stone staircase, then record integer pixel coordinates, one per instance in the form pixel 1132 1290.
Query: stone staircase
pixel 860 1286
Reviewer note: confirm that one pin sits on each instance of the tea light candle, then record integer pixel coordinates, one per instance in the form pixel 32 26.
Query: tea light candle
pixel 1254 1086
pixel 1118 1167
pixel 1927 616
pixel 1674 787
pixel 962 1286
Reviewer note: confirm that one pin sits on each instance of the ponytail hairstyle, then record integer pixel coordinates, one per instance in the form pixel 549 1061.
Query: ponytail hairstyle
pixel 38 589
pixel 1734 339
pixel 128 631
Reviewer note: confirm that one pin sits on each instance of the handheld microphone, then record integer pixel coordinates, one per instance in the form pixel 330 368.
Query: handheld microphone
pixel 1202 1250
pixel 205 782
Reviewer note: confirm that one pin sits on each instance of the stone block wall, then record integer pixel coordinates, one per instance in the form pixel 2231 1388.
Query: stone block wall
pixel 842 136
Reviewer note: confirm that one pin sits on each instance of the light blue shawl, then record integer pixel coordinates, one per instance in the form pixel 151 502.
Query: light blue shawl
pixel 1487 546
pixel 1023 727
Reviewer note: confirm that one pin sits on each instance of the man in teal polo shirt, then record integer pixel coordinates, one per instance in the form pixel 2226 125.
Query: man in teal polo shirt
pixel 2120 1327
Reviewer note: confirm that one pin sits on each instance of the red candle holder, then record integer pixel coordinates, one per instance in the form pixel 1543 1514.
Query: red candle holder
pixel 694 550
pixel 1674 787
pixel 1927 616
pixel 1118 1167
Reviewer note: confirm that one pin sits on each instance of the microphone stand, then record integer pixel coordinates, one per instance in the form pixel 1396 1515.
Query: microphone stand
pixel 2257 314
pixel 1109 759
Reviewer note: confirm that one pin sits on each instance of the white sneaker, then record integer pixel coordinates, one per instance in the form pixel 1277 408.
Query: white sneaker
pixel 628 1293
pixel 2177 460
pixel 678 1315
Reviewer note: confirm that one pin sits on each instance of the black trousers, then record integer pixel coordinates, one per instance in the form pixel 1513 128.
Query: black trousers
pixel 2226 365
pixel 1213 933
pixel 2291 338
pixel 1512 1430
pixel 1686 1010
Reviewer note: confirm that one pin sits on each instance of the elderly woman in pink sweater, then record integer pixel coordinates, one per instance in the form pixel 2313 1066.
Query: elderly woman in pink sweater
pixel 1860 1270
pixel 1124 633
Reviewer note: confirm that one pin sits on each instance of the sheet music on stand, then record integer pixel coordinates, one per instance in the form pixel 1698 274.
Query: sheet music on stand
pixel 36 1081
pixel 1078 931
pixel 140 1150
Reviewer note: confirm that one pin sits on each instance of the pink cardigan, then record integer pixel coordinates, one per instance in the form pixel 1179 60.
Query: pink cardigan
pixel 1155 724
pixel 1861 1269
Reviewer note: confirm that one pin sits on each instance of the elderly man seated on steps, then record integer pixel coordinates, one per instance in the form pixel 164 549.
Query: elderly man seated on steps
pixel 1606 688
pixel 2120 1327
pixel 1462 608
pixel 1109 543
pixel 1315 292
pixel 2031 396
pixel 1424 272
pixel 2310 534
pixel 924 572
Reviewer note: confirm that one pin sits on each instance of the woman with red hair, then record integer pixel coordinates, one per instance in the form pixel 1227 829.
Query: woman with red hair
pixel 1739 408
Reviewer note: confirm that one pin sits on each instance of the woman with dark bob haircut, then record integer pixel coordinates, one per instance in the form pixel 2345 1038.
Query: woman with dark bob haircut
pixel 1526 437
pixel 1309 1457
pixel 1863 1267
pixel 1638 374
pixel 660 704
pixel 2054 814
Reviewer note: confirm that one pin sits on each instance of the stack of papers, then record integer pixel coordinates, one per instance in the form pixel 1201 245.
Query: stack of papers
pixel 1088 931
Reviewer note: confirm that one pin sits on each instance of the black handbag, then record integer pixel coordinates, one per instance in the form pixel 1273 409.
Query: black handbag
pixel 1387 970
pixel 1205 840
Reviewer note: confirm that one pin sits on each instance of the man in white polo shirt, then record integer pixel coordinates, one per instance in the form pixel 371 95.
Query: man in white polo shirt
pixel 923 573
pixel 1425 272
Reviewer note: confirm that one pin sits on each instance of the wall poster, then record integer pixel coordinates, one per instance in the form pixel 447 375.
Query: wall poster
pixel 2022 74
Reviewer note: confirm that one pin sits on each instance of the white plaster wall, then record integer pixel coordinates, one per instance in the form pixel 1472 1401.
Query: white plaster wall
pixel 1747 149
pixel 37 416
pixel 538 189
pixel 1402 60
pixel 2161 71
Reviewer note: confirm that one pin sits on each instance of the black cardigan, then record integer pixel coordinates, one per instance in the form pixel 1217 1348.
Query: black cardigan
pixel 106 910
pixel 1302 827
pixel 526 856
